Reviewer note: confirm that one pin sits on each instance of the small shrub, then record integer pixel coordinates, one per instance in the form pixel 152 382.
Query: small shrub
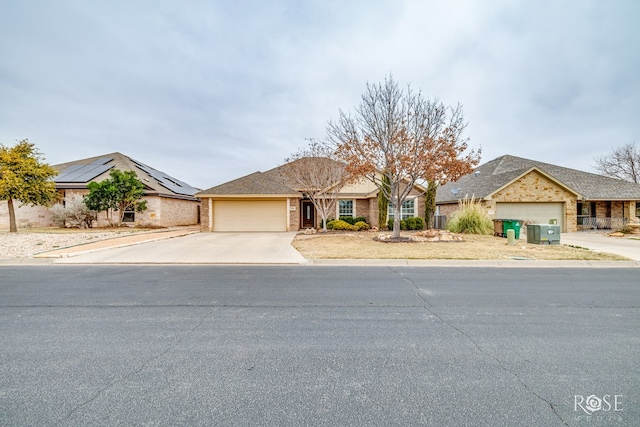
pixel 338 224
pixel 361 225
pixel 472 218
pixel 419 223
pixel 347 219
pixel 352 220
pixel 411 223
pixel 58 214
pixel 403 224
pixel 74 214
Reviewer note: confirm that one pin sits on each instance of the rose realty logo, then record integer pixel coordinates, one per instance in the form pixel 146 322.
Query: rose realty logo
pixel 591 404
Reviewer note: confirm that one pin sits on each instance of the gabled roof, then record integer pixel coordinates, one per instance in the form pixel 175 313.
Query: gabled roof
pixel 256 184
pixel 274 182
pixel 280 173
pixel 79 173
pixel 491 177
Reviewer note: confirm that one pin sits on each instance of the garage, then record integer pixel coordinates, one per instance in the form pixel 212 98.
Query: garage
pixel 250 215
pixel 534 213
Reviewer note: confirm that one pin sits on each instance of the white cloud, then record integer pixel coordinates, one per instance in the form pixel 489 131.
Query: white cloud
pixel 210 91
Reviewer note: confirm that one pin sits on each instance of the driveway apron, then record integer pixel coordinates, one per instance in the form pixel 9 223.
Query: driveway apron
pixel 625 246
pixel 201 248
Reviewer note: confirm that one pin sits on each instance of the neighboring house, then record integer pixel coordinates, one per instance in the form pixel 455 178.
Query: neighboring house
pixel 269 201
pixel 536 192
pixel 170 202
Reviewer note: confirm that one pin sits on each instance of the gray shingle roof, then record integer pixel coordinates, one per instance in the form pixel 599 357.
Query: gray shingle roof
pixel 256 183
pixel 272 182
pixel 494 175
pixel 280 173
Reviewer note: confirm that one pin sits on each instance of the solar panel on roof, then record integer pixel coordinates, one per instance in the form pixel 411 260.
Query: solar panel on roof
pixel 61 177
pixel 84 173
pixel 89 175
pixel 102 161
pixel 170 183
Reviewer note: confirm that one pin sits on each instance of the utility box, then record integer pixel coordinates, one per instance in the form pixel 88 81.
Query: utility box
pixel 543 233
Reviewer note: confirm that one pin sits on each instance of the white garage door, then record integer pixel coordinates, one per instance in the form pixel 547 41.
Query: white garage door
pixel 250 215
pixel 534 213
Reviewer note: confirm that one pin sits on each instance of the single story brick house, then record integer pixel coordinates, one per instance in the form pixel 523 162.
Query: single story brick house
pixel 269 201
pixel 170 202
pixel 536 192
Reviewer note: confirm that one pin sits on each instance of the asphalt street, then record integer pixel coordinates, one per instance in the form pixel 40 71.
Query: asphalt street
pixel 313 345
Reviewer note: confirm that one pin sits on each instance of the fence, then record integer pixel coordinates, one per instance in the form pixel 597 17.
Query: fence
pixel 596 223
pixel 440 222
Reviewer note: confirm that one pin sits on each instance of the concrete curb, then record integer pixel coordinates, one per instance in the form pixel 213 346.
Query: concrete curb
pixel 476 263
pixel 363 263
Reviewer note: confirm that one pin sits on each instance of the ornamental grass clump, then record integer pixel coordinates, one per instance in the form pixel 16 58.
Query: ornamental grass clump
pixel 472 218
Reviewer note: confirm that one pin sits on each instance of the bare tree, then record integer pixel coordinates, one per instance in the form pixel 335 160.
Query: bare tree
pixel 401 134
pixel 622 163
pixel 314 171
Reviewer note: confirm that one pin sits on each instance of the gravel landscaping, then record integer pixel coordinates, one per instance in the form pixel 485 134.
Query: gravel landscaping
pixel 25 244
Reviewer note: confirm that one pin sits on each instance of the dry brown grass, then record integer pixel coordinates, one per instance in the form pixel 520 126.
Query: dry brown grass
pixel 362 245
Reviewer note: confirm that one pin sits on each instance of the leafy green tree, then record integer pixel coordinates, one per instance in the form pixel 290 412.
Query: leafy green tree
pixel 121 192
pixel 25 177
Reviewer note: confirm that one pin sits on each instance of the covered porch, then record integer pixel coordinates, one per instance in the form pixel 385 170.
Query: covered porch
pixel 606 214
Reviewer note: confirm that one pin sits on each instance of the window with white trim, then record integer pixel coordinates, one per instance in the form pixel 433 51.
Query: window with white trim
pixel 345 208
pixel 407 210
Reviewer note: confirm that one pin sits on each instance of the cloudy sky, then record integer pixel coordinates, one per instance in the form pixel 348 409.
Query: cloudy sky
pixel 211 90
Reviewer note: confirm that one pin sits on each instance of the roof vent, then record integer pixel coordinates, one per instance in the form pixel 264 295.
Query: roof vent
pixel 476 173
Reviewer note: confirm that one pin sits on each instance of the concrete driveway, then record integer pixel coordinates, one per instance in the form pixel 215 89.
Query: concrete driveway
pixel 201 248
pixel 625 246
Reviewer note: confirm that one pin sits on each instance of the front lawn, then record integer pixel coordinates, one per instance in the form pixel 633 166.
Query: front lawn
pixel 361 245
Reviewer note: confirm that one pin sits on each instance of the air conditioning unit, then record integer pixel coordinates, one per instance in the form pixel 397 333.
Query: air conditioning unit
pixel 543 233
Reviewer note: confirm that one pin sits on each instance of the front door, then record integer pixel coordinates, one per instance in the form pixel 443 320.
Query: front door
pixel 308 214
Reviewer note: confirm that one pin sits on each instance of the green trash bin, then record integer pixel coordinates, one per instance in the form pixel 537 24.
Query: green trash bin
pixel 511 224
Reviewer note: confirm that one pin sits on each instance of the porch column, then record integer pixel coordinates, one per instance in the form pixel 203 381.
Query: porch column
pixel 210 214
